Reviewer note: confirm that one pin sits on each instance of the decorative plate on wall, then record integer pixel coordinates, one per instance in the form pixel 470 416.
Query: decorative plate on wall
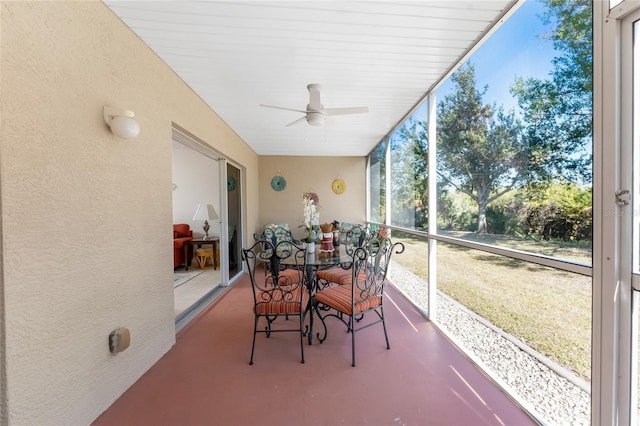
pixel 231 183
pixel 338 186
pixel 278 183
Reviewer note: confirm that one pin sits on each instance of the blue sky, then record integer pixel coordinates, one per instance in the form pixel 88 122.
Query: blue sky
pixel 515 49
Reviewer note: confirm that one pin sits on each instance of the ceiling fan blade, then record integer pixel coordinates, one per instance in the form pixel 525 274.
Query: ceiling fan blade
pixel 299 120
pixel 343 111
pixel 286 109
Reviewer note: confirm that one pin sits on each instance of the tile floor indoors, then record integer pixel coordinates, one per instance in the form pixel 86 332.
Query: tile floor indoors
pixel 190 292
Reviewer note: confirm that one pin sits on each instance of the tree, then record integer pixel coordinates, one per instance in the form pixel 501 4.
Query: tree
pixel 558 112
pixel 556 127
pixel 378 180
pixel 481 151
pixel 409 184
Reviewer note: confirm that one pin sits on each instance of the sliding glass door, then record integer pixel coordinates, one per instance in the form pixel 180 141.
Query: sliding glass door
pixel 628 201
pixel 234 221
pixel 207 201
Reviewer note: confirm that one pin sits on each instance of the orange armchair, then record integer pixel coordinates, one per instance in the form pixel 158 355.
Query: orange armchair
pixel 182 234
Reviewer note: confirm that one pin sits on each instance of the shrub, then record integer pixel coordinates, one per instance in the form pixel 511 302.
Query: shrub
pixel 565 213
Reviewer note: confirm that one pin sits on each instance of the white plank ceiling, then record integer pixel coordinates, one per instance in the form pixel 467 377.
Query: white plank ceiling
pixel 383 55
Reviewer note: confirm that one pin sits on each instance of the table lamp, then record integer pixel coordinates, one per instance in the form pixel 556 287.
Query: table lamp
pixel 205 212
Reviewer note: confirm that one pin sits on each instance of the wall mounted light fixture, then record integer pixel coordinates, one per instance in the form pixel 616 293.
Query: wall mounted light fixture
pixel 122 122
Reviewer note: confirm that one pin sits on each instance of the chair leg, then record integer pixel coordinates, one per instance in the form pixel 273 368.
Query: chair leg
pixel 301 337
pixel 353 342
pixel 253 345
pixel 384 327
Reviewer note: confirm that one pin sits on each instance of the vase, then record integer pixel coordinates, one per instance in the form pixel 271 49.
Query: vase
pixel 311 247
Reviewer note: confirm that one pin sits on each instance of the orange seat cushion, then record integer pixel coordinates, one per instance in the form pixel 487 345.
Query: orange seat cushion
pixel 338 275
pixel 339 298
pixel 281 301
pixel 288 276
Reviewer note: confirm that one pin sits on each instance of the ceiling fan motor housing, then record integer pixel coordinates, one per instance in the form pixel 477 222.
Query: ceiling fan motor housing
pixel 315 118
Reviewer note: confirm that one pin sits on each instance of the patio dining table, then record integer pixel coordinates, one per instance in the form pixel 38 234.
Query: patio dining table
pixel 316 261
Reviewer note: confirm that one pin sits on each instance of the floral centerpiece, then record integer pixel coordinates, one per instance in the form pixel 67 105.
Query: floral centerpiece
pixel 311 210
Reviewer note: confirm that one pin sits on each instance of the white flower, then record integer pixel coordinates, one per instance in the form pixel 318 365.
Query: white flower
pixel 311 212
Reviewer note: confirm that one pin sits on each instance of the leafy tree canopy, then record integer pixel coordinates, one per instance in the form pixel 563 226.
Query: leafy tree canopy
pixel 409 184
pixel 480 148
pixel 558 111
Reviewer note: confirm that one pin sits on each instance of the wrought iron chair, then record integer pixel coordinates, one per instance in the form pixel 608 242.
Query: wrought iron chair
pixel 276 234
pixel 277 294
pixel 349 302
pixel 355 237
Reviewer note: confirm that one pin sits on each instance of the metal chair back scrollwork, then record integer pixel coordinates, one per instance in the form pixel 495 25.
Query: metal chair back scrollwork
pixel 356 236
pixel 275 234
pixel 277 294
pixel 348 303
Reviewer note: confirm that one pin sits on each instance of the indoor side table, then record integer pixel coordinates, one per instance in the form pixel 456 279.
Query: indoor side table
pixel 200 242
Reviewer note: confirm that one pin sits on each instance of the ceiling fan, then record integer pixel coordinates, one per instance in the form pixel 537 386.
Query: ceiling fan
pixel 316 112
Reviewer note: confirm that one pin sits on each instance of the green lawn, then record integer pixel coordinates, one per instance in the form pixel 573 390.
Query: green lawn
pixel 549 310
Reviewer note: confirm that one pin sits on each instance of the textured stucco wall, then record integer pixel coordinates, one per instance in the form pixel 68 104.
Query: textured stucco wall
pixel 86 217
pixel 312 174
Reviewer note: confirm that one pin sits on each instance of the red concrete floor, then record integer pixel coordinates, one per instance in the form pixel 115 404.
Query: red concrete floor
pixel 206 379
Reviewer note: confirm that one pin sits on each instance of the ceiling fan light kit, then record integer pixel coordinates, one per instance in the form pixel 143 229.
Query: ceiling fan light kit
pixel 316 113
